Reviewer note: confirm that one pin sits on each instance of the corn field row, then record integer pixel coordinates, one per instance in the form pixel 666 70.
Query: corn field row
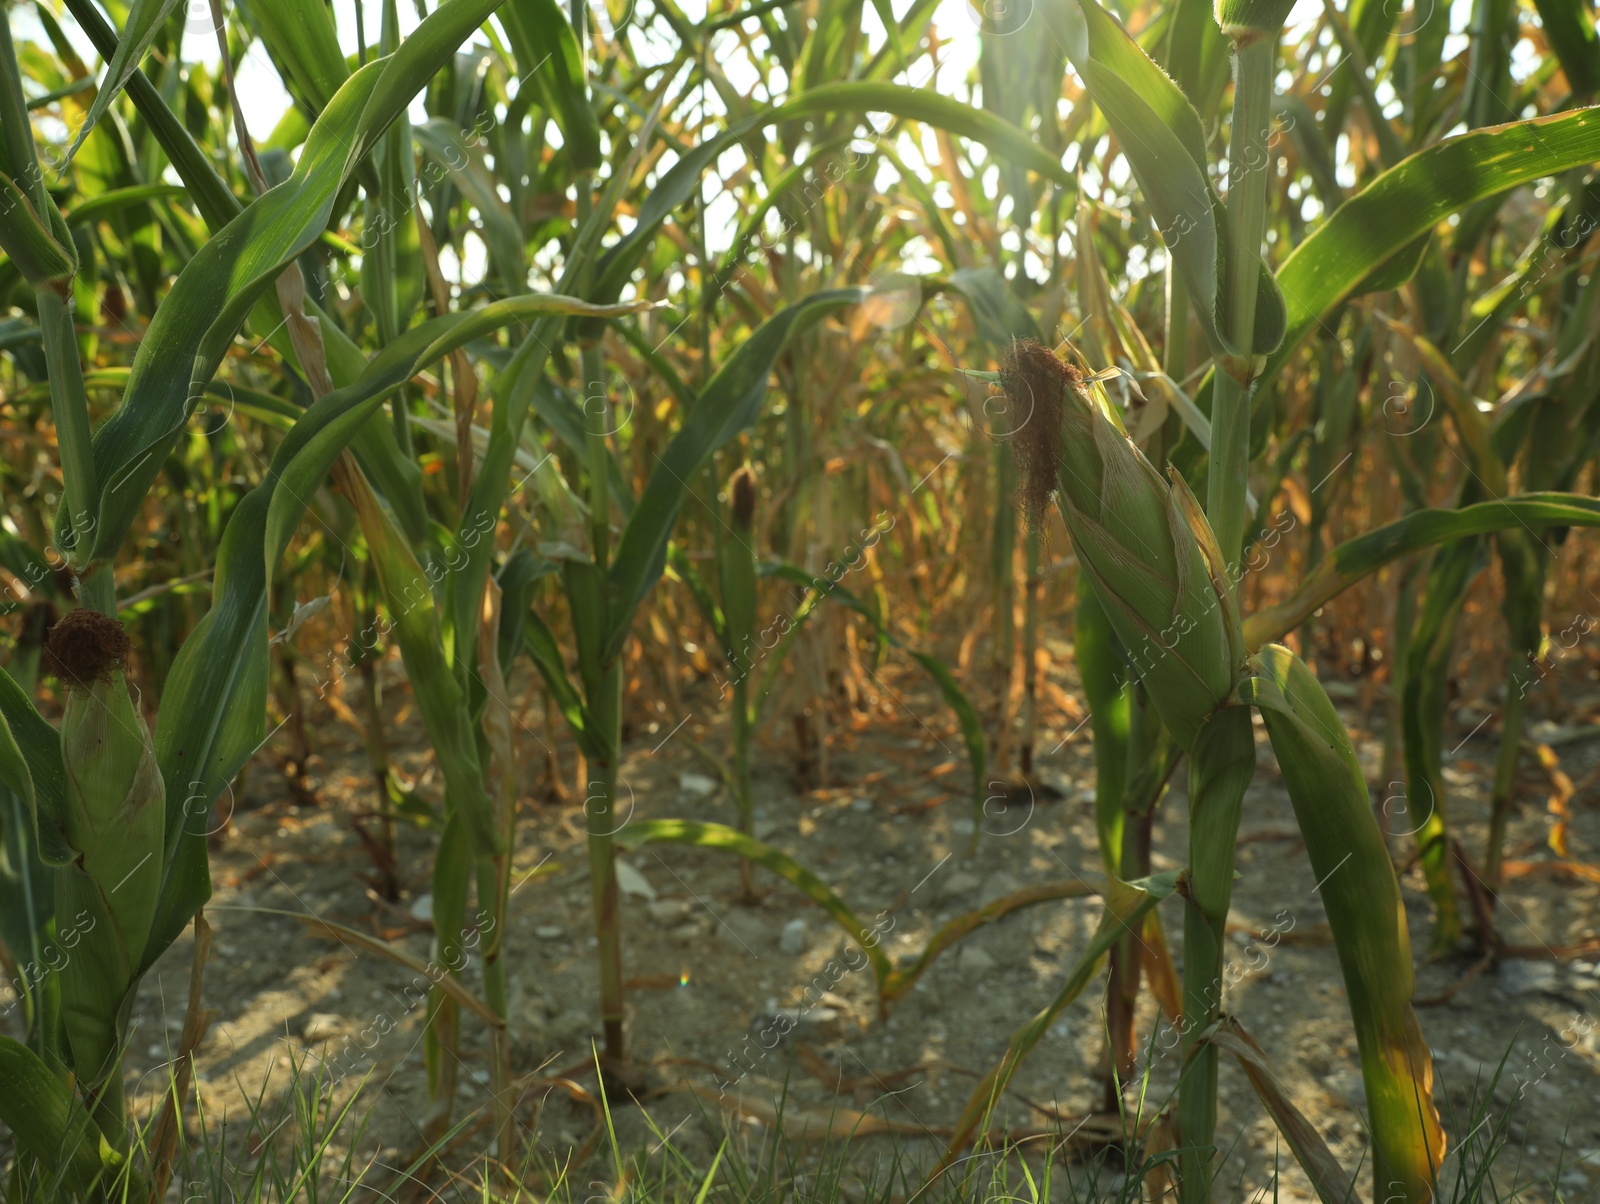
pixel 660 361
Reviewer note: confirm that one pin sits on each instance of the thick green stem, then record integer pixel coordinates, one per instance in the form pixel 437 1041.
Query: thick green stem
pixel 742 796
pixel 600 811
pixel 1505 780
pixel 1221 764
pixel 70 408
pixel 1248 159
pixel 494 886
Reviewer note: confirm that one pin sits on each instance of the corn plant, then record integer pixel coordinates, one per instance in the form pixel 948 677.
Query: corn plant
pixel 1166 574
pixel 110 804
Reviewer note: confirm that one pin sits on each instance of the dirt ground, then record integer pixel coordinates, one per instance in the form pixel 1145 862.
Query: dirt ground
pixel 892 834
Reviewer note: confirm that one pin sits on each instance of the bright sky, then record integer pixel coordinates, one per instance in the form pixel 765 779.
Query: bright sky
pixel 956 21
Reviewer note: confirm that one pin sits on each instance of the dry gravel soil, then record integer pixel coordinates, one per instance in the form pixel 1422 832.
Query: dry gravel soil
pixel 892 832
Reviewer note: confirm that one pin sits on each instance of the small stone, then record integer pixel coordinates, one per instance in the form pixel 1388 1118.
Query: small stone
pixel 669 911
pixel 631 882
pixel 743 930
pixel 962 826
pixel 813 1025
pixel 422 907
pixel 322 1026
pixel 549 932
pixel 974 959
pixel 686 933
pixel 697 784
pixel 1523 976
pixel 861 804
pixel 792 940
pixel 961 882
pixel 997 886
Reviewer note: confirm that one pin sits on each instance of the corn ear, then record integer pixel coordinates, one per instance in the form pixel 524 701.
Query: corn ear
pixel 1143 543
pixel 1109 693
pixel 113 821
pixel 1358 887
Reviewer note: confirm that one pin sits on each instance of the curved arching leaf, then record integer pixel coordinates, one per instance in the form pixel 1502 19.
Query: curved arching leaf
pixel 720 836
pixel 851 98
pixel 144 22
pixel 1408 201
pixel 1356 558
pixel 1357 885
pixel 211 297
pixel 211 714
pixel 730 401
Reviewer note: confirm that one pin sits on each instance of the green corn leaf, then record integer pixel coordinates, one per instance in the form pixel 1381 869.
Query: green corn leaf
pixel 30 239
pixel 1000 316
pixel 1164 142
pixel 441 140
pixel 301 38
pixel 1570 28
pixel 700 590
pixel 31 765
pixel 1126 905
pixel 1366 554
pixel 545 652
pixel 720 836
pixel 1107 686
pixel 1408 201
pixel 208 302
pixel 853 98
pixel 550 61
pixel 217 205
pixel 414 616
pixel 211 721
pixel 118 199
pixel 1358 888
pixel 145 18
pixel 50 1123
pixel 1196 54
pixel 730 401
